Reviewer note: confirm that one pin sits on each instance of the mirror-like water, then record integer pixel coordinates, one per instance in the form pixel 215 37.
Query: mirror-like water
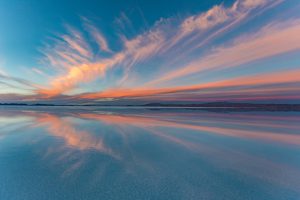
pixel 65 153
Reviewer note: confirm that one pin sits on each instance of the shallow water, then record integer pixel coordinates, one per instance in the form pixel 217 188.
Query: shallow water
pixel 71 153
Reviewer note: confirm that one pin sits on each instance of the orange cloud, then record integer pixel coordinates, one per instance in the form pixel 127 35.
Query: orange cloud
pixel 253 80
pixel 77 74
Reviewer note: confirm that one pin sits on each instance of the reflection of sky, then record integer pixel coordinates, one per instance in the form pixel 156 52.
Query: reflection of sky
pixel 166 154
pixel 83 52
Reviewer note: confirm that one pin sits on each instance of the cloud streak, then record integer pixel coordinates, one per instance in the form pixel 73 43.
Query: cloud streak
pixel 256 83
pixel 249 81
pixel 274 39
pixel 159 63
pixel 97 36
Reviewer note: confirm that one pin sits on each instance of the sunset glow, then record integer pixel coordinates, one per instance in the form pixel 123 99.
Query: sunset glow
pixel 217 53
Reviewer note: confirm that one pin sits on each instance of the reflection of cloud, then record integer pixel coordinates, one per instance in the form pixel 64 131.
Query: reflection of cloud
pixel 81 140
pixel 60 127
pixel 237 131
pixel 10 125
pixel 185 138
pixel 175 129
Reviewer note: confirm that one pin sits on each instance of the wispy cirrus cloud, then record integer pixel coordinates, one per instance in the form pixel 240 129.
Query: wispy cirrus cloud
pixel 97 35
pixel 176 48
pixel 274 39
pixel 197 30
pixel 17 83
pixel 80 66
pixel 74 53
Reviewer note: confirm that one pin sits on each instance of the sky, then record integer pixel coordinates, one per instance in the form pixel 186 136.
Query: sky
pixel 139 51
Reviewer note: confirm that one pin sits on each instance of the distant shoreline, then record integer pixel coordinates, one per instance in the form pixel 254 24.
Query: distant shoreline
pixel 201 106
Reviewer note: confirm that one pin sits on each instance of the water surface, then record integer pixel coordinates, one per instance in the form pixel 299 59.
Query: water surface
pixel 72 153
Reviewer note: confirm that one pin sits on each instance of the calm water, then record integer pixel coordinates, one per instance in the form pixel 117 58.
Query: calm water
pixel 67 153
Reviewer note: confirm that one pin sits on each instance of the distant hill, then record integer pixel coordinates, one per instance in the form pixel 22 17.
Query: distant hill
pixel 233 106
pixel 210 105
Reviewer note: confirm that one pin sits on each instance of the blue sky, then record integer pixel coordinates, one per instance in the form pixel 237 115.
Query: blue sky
pixel 26 25
pixel 198 51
